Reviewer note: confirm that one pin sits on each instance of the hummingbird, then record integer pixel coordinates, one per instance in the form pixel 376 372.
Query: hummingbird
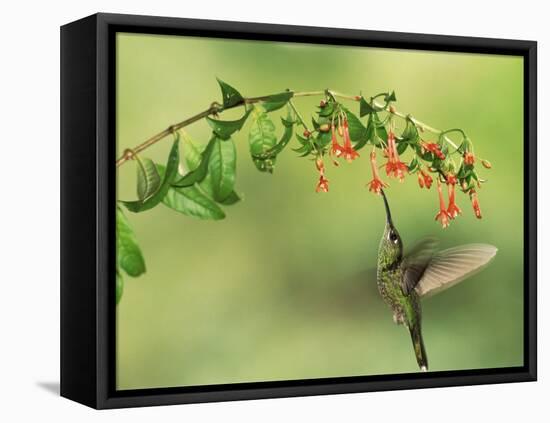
pixel 404 280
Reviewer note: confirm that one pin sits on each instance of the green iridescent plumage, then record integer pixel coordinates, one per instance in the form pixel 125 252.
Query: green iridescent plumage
pixel 403 280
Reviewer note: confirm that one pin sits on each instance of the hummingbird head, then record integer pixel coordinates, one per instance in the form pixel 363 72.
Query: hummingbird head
pixel 390 251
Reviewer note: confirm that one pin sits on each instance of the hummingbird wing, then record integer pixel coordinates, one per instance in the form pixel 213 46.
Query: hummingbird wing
pixel 415 263
pixel 448 267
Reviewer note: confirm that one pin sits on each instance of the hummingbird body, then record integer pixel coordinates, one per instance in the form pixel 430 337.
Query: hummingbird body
pixel 390 275
pixel 403 280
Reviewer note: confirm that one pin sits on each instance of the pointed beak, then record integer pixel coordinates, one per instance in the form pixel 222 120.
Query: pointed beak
pixel 388 213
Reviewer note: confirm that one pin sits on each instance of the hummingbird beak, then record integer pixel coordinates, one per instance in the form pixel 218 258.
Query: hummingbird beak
pixel 388 213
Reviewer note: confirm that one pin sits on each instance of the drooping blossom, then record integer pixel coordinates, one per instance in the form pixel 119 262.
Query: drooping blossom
pixel 475 203
pixel 452 210
pixel 451 179
pixel 336 149
pixel 424 179
pixel 442 216
pixel 469 158
pixel 394 167
pixel 348 151
pixel 322 184
pixel 434 148
pixel 376 184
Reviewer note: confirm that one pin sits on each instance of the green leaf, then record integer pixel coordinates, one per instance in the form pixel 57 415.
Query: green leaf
pixel 129 256
pixel 328 110
pixel 222 167
pixel 413 165
pixel 410 133
pixel 148 178
pixel 302 140
pixel 119 286
pixel 365 108
pixel 376 132
pixel 283 142
pixel 276 101
pixel 192 151
pixel 171 172
pixel 191 201
pixel 315 124
pixel 357 131
pixel 306 149
pixel 323 139
pixel 401 147
pixel 462 172
pixel 262 138
pixel 390 97
pixel 225 128
pixel 306 146
pixel 231 199
pixel 201 171
pixel 230 95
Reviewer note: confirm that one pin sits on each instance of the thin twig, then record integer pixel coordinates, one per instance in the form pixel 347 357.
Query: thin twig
pixel 216 108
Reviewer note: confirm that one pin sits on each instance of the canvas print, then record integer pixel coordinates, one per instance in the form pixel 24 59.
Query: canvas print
pixel 291 211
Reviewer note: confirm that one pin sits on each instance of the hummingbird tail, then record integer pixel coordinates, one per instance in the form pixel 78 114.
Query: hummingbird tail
pixel 419 350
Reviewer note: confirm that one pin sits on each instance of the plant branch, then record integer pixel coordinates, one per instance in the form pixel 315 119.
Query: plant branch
pixel 216 108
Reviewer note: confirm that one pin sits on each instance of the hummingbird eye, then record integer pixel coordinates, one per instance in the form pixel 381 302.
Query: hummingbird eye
pixel 393 237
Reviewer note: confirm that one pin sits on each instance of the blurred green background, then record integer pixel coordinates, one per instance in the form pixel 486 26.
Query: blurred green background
pixel 282 288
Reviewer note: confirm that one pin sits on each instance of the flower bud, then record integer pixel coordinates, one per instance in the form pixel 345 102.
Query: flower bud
pixel 486 164
pixel 420 180
pixel 325 127
pixel 451 179
pixel 469 158
pixel 320 165
pixel 475 203
pixel 307 133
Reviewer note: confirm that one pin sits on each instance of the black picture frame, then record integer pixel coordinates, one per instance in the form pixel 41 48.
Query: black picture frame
pixel 88 198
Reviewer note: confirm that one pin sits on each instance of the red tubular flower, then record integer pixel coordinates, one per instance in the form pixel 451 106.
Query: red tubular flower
pixel 451 179
pixel 322 184
pixel 348 152
pixel 394 167
pixel 475 203
pixel 433 147
pixel 420 180
pixel 442 216
pixel 376 184
pixel 453 210
pixel 336 148
pixel 469 158
pixel 320 165
pixel 424 179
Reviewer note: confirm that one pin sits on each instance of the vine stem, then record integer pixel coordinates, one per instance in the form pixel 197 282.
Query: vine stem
pixel 216 108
